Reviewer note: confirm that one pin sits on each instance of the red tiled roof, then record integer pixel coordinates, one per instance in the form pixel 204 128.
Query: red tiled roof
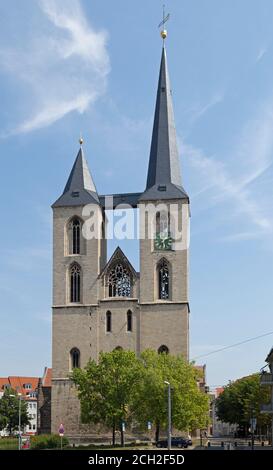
pixel 46 381
pixel 17 383
pixel 3 381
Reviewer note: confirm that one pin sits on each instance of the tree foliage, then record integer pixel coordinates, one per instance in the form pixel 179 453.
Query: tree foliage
pixel 105 388
pixel 189 405
pixel 241 400
pixel 122 387
pixel 9 411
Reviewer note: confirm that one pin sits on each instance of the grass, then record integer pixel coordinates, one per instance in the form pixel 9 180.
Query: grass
pixel 11 443
pixel 8 443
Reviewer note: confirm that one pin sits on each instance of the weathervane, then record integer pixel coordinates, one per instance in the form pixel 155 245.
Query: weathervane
pixel 163 32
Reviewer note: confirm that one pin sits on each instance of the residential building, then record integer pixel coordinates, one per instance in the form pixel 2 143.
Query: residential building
pixel 219 428
pixel 27 387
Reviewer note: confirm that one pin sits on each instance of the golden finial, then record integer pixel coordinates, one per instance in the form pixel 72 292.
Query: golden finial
pixel 81 140
pixel 163 32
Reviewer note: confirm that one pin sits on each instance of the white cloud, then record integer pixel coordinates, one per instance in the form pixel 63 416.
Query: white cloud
pixel 198 111
pixel 54 112
pixel 60 64
pixel 260 54
pixel 241 236
pixel 84 41
pixel 232 180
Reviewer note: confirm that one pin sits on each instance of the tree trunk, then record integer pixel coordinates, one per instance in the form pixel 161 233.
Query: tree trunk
pixel 157 430
pixel 121 436
pixel 114 433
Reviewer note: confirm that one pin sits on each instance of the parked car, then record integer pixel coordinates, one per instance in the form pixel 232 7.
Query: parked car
pixel 180 442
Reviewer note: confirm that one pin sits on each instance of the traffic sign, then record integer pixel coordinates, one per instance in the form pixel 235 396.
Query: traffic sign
pixel 61 430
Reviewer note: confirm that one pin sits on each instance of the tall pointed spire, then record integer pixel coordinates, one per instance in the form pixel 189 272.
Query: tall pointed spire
pixel 80 188
pixel 164 178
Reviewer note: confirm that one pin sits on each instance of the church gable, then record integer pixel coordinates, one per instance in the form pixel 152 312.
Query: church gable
pixel 118 276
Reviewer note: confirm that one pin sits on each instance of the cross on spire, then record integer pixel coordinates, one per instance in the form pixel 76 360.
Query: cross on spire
pixel 163 32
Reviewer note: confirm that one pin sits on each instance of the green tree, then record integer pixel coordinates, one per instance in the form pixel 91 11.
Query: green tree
pixel 105 389
pixel 189 405
pixel 241 400
pixel 9 411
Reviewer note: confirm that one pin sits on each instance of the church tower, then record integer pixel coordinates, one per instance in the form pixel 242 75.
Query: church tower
pixel 164 206
pixel 99 304
pixel 77 262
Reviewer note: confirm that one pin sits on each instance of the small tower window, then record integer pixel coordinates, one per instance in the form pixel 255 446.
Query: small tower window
pixel 129 321
pixel 163 280
pixel 163 349
pixel 75 358
pixel 75 283
pixel 108 322
pixel 163 223
pixel 163 239
pixel 119 281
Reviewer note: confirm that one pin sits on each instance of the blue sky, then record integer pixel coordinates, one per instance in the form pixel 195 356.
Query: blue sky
pixel 91 67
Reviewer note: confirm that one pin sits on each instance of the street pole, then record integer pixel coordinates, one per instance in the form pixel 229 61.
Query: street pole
pixel 19 427
pixel 169 416
pixel 252 429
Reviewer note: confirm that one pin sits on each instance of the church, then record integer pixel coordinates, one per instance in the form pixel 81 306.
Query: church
pixel 101 302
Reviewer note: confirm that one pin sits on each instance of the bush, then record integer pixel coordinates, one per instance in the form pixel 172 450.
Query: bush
pixel 47 441
pixel 8 443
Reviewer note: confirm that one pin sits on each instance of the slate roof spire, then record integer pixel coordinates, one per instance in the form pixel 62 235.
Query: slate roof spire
pixel 80 188
pixel 164 177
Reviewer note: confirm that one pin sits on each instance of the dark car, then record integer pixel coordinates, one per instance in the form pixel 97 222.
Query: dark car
pixel 180 442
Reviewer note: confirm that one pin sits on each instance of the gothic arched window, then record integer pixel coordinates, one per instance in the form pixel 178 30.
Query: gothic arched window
pixel 76 236
pixel 75 358
pixel 108 322
pixel 163 349
pixel 75 283
pixel 129 321
pixel 163 280
pixel 119 281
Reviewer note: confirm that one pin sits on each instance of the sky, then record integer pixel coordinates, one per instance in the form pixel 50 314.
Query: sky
pixel 91 68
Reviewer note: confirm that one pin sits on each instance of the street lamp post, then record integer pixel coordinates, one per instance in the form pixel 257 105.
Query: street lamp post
pixel 169 415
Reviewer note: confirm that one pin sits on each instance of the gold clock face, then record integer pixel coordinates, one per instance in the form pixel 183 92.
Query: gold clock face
pixel 163 242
